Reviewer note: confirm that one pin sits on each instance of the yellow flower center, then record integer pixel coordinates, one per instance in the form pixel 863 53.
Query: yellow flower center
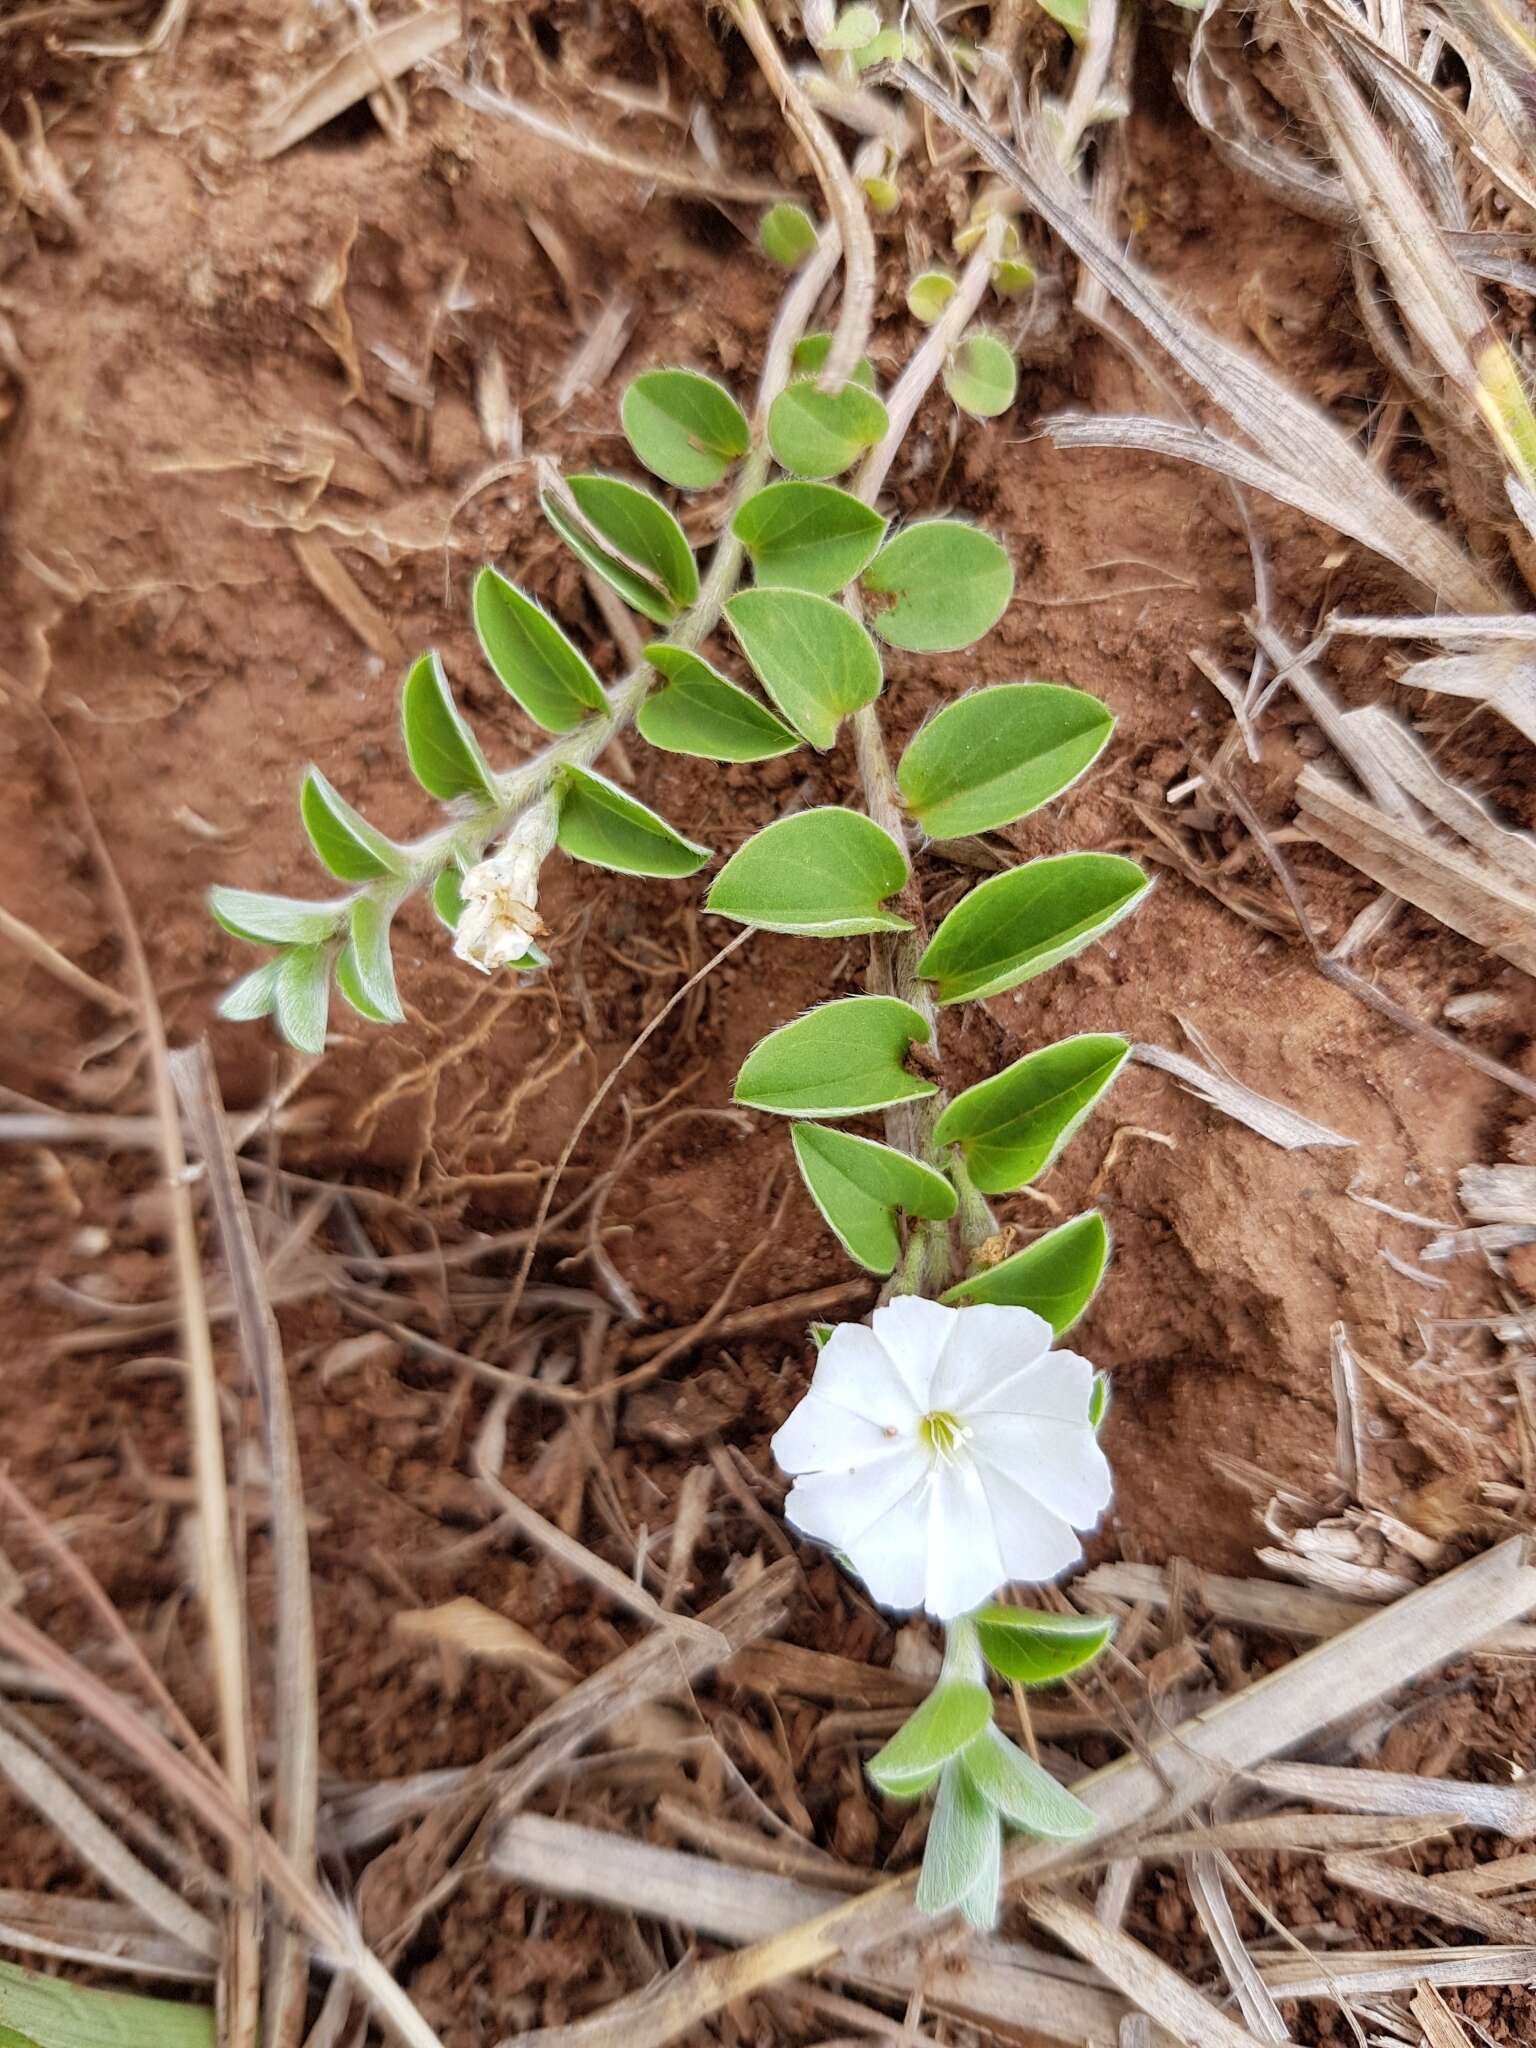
pixel 942 1433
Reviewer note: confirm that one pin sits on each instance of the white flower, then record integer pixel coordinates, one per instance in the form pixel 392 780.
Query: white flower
pixel 945 1452
pixel 500 920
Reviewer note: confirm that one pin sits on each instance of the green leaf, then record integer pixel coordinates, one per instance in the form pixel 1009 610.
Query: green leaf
pixel 1057 1276
pixel 444 754
pixel 840 1059
pixel 686 429
pixel 1013 1126
pixel 810 358
pixel 637 591
pixel 50 2012
pixel 945 584
pixel 448 896
pixel 349 985
pixel 369 947
pixel 252 996
pixel 821 433
pixel 1025 1795
pixel 1098 1400
pixel 343 838
pixel 301 996
pixel 1037 1649
pixel 963 1855
pixel 992 757
pixel 1072 16
pixel 807 536
pixel 1012 276
pixel 275 920
pixel 854 27
pixel 1014 926
pixel 883 196
pixel 951 1717
pixel 884 48
pixel 600 824
pixel 822 873
pixel 641 529
pixel 788 235
pixel 928 294
pixel 700 712
pixel 982 376
pixel 814 659
pixel 858 1186
pixel 532 657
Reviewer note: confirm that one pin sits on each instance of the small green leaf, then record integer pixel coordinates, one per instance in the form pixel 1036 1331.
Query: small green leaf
pixel 38 2011
pixel 807 536
pixel 369 947
pixel 945 584
pixel 600 824
pixel 995 756
pixel 276 920
pixel 685 428
pixel 788 235
pixel 444 754
pixel 701 713
pixel 343 838
pixel 814 659
pixel 883 196
pixel 928 294
pixel 854 27
pixel 349 984
pixel 301 996
pixel 532 657
pixel 963 1855
pixel 951 1717
pixel 858 1186
pixel 810 358
pixel 839 1059
pixel 1037 1649
pixel 822 873
pixel 1072 15
pixel 1057 1276
pixel 448 896
pixel 1012 927
pixel 1025 1795
pixel 252 996
pixel 982 376
pixel 637 590
pixel 1098 1400
pixel 1012 276
pixel 884 48
pixel 641 529
pixel 1013 1126
pixel 821 433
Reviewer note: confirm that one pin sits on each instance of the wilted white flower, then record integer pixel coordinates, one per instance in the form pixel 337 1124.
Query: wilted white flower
pixel 500 920
pixel 946 1452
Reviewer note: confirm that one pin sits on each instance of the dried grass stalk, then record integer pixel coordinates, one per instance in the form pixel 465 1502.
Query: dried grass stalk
pixel 353 75
pixel 1285 1127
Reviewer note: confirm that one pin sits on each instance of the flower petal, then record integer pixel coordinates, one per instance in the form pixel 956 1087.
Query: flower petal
pixel 1060 1463
pixel 965 1564
pixel 818 1433
pixel 987 1347
pixel 837 1507
pixel 913 1333
pixel 1036 1544
pixel 891 1557
pixel 856 1371
pixel 1056 1388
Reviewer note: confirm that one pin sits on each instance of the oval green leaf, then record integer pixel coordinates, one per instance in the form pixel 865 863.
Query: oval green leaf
pixel 1013 1126
pixel 1025 1794
pixel 948 1721
pixel 600 824
pixel 532 658
pixel 1037 1649
pixel 839 1059
pixel 963 1855
pixel 810 356
pixel 639 528
pixel 685 428
pixel 700 712
pixel 343 838
pixel 807 536
pixel 858 1186
pixel 301 996
pixel 787 234
pixel 944 583
pixel 992 757
pixel 982 376
pixel 252 996
pixel 1057 1276
pixel 853 28
pixel 371 961
pixel 276 920
pixel 928 295
pixel 637 590
pixel 448 896
pixel 821 433
pixel 813 658
pixel 1014 926
pixel 823 874
pixel 444 754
